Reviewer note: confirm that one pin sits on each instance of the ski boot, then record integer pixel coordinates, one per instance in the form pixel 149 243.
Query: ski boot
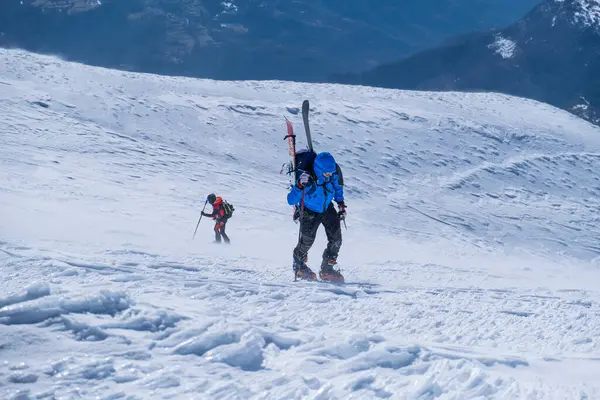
pixel 327 272
pixel 302 271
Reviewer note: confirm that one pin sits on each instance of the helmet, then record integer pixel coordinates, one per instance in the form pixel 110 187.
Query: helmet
pixel 211 198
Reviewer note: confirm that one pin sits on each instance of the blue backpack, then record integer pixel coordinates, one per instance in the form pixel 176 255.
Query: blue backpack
pixel 304 163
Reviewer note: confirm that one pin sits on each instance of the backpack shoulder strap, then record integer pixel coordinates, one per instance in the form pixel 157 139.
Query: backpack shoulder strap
pixel 338 171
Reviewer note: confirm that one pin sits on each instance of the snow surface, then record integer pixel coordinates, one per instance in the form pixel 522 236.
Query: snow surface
pixel 471 254
pixel 588 11
pixel 504 47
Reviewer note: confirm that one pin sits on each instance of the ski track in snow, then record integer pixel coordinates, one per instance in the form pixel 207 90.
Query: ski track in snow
pixel 471 253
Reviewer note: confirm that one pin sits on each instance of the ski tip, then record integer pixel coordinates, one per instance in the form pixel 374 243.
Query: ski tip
pixel 305 105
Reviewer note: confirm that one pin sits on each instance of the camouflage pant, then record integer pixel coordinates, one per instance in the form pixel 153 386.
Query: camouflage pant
pixel 220 231
pixel 308 231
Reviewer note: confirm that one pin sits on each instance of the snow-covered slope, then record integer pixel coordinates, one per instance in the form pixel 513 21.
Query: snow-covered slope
pixel 471 253
pixel 588 11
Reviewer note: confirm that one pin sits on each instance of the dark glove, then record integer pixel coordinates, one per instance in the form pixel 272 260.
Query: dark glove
pixel 342 210
pixel 304 180
pixel 296 215
pixel 206 215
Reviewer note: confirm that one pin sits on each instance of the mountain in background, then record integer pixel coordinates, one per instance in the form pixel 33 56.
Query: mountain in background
pixel 551 55
pixel 293 40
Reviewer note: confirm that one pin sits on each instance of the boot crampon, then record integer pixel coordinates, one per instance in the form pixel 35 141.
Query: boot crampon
pixel 302 271
pixel 328 273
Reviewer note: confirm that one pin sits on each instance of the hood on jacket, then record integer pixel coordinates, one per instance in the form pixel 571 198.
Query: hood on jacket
pixel 324 162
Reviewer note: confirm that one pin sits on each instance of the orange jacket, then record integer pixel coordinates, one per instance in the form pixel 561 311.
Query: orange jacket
pixel 217 212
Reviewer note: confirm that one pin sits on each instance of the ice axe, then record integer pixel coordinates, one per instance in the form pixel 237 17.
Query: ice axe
pixel 203 208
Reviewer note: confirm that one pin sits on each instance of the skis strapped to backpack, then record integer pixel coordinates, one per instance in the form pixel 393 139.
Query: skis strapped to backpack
pixel 305 158
pixel 305 110
pixel 291 138
pixel 302 160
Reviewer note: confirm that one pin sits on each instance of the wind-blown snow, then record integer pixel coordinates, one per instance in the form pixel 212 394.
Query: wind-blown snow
pixel 471 253
pixel 504 47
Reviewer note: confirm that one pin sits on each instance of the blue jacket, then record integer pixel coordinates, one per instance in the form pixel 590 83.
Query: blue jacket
pixel 319 194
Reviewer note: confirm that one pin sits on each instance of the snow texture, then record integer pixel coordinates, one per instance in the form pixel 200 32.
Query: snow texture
pixel 471 254
pixel 588 11
pixel 504 47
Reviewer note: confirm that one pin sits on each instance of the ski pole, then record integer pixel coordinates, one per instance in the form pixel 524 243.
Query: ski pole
pixel 344 221
pixel 301 215
pixel 300 228
pixel 206 202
